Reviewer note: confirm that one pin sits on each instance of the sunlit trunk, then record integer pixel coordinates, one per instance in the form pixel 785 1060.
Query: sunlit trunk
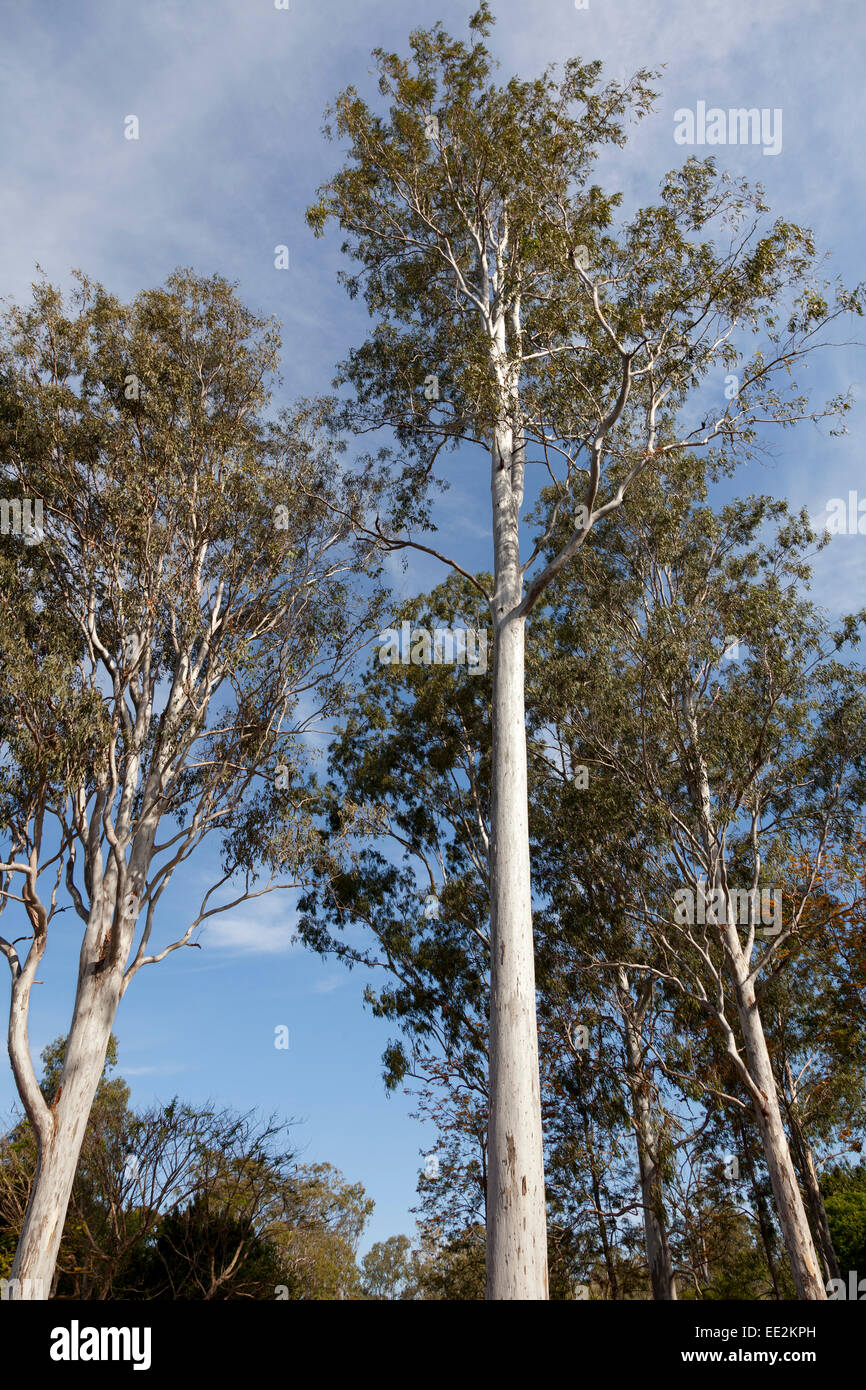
pixel 36 1255
pixel 777 1153
pixel 516 1217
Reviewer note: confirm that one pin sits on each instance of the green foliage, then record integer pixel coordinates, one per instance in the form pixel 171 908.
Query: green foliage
pixel 190 1245
pixel 844 1192
pixel 185 1202
pixel 386 1269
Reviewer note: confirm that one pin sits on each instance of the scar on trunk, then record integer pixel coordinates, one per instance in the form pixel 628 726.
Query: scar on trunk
pixel 57 1097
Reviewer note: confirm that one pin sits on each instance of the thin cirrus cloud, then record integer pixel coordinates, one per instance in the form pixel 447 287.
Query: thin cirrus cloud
pixel 261 928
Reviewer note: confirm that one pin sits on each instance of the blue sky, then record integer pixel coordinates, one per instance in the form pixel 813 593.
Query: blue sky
pixel 229 95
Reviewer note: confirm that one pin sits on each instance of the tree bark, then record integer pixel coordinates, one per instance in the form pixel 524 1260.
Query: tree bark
pixel 517 1224
pixel 765 1224
pixel 809 1177
pixel 786 1189
pixel 59 1147
pixel 662 1277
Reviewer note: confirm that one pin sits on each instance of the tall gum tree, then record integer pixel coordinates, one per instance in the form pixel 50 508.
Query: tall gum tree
pixel 815 1021
pixel 510 318
pixel 587 844
pixel 185 614
pixel 743 760
pixel 411 768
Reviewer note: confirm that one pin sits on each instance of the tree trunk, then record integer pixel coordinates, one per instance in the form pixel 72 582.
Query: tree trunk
pixel 765 1224
pixel 758 1071
pixel 786 1190
pixel 36 1255
pixel 664 1284
pixel 609 1261
pixel 517 1225
pixel 809 1177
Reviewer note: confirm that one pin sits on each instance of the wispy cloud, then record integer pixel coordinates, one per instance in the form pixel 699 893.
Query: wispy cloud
pixel 328 985
pixel 265 927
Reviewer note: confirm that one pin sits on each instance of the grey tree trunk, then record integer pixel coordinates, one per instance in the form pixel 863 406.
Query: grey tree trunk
pixel 663 1279
pixel 765 1223
pixel 757 1073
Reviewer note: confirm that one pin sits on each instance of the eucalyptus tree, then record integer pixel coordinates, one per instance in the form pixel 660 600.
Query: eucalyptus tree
pixel 590 841
pixel 404 817
pixel 182 617
pixel 510 316
pixel 408 799
pixel 744 761
pixel 814 1020
pixel 408 795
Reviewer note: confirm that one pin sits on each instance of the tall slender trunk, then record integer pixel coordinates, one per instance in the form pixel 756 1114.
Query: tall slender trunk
pixel 59 1149
pixel 517 1225
pixel 609 1261
pixel 765 1224
pixel 809 1177
pixel 783 1176
pixel 758 1072
pixel 703 1261
pixel 662 1277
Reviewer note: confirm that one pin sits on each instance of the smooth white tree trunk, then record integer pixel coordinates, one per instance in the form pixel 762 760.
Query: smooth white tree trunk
pixel 758 1070
pixel 59 1149
pixel 805 1162
pixel 819 1212
pixel 786 1190
pixel 516 1215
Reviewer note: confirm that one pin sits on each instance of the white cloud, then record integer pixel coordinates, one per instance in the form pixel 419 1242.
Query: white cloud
pixel 328 985
pixel 263 927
